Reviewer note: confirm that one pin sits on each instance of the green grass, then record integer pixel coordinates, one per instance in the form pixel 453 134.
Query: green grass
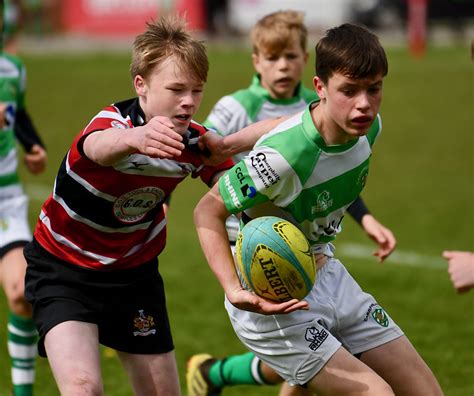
pixel 421 185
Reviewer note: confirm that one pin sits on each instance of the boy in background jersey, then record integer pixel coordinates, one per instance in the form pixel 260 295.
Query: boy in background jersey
pixel 92 274
pixel 318 163
pixel 279 57
pixel 15 124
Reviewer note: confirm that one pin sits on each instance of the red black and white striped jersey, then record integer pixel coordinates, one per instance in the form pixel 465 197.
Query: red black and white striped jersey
pixel 112 217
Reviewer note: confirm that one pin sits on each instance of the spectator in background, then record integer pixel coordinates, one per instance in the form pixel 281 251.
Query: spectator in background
pixel 14 228
pixel 460 269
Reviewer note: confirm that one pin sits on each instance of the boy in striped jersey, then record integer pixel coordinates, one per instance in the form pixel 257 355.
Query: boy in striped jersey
pixel 309 169
pixel 279 56
pixel 15 124
pixel 92 274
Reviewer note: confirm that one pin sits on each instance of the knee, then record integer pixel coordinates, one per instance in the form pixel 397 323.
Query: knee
pixel 83 385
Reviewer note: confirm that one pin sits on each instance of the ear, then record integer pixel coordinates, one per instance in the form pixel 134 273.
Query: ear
pixel 140 85
pixel 319 87
pixel 255 62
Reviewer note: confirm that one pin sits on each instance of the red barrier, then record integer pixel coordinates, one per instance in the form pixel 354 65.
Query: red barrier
pixel 417 21
pixel 123 17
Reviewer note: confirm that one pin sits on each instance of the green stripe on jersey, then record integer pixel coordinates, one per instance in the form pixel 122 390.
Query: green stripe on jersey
pixel 292 167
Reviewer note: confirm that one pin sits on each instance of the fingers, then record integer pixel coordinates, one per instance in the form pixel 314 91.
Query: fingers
pixel 36 159
pixel 158 139
pixel 251 302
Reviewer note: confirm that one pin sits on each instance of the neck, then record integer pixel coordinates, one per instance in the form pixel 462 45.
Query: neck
pixel 331 133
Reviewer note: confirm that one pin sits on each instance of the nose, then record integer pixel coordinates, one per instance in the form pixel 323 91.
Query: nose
pixel 363 102
pixel 282 63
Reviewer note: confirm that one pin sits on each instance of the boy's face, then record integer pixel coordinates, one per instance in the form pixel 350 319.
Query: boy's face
pixel 171 92
pixel 350 104
pixel 281 73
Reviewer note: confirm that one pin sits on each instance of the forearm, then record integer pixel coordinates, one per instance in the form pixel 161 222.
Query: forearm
pixel 108 146
pixel 25 131
pixel 358 210
pixel 209 218
pixel 245 139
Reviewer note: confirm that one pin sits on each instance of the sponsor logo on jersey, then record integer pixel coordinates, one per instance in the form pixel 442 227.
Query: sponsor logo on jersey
pixel 323 202
pixel 232 192
pixel 378 314
pixel 143 324
pixel 267 175
pixel 315 337
pixel 246 189
pixel 134 205
pixel 118 125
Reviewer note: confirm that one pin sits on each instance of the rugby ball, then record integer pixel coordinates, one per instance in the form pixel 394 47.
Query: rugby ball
pixel 274 259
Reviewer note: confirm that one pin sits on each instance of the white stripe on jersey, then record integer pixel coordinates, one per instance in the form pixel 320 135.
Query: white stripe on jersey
pixel 153 234
pixel 288 187
pixel 86 184
pixel 331 165
pixel 99 258
pixel 9 164
pixel 109 114
pixel 59 238
pixel 155 167
pixel 77 217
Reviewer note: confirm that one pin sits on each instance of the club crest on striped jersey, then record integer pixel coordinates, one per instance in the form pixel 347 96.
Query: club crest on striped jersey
pixel 118 125
pixel 134 205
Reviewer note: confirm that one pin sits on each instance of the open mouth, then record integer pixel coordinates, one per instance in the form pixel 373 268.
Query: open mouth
pixel 183 117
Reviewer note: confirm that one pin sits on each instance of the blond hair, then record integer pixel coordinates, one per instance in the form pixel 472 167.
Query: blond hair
pixel 165 38
pixel 274 32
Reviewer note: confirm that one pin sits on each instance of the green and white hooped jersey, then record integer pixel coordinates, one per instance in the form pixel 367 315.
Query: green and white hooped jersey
pixel 306 181
pixel 246 106
pixel 12 93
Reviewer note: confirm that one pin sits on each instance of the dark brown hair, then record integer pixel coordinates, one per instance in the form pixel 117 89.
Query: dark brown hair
pixel 352 51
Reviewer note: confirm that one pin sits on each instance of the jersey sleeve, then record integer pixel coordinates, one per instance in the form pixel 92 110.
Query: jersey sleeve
pixel 263 175
pixel 374 130
pixel 227 116
pixel 105 119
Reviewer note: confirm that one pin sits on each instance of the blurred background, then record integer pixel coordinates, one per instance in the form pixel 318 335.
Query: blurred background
pixel 77 55
pixel 398 21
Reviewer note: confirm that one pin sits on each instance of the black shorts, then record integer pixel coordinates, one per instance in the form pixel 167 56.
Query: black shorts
pixel 128 306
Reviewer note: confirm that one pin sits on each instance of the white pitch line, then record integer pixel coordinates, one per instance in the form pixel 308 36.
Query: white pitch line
pixel 398 257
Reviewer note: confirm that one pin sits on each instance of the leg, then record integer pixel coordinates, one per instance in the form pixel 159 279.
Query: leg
pixel 405 370
pixel 22 335
pixel 344 374
pixel 73 353
pixel 152 375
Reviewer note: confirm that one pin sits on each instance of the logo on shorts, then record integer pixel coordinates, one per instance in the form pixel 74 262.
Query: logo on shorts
pixel 315 337
pixel 144 325
pixel 380 317
pixel 378 314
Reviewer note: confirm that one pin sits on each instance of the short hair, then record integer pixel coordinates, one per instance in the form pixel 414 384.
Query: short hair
pixel 274 32
pixel 165 38
pixel 351 50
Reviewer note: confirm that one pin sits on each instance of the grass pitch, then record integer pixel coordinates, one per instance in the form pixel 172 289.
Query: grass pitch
pixel 421 186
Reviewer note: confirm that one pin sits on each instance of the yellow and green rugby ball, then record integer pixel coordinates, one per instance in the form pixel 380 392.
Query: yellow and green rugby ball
pixel 275 260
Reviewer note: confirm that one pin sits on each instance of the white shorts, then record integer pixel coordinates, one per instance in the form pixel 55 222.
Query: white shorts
pixel 14 226
pixel 298 345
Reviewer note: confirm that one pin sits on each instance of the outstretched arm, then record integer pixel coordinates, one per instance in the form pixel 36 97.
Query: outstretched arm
pixel 221 148
pixel 209 216
pixel 156 139
pixel 380 234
